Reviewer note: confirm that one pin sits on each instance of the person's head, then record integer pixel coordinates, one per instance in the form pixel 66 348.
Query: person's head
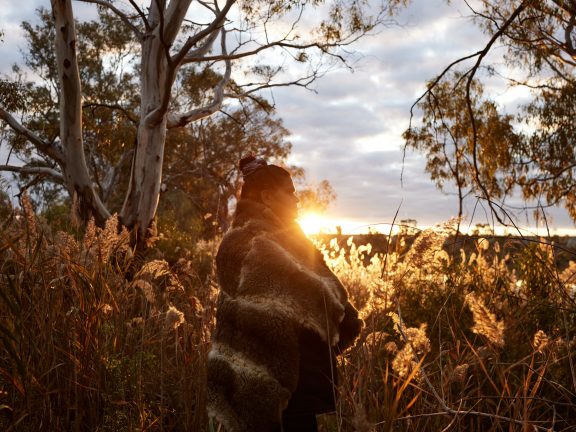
pixel 270 185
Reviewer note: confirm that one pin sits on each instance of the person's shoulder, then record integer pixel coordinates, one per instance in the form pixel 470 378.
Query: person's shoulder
pixel 238 239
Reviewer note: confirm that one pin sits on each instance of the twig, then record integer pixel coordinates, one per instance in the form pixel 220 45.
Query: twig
pixel 443 405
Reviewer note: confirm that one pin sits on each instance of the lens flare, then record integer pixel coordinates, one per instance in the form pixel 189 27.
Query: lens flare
pixel 313 223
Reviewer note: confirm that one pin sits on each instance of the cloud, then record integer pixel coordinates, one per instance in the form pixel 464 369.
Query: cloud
pixel 350 131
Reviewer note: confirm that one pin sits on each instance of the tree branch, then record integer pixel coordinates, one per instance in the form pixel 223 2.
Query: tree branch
pixel 28 169
pixel 283 44
pixel 141 13
pixel 202 50
pixel 193 40
pixel 300 82
pixel 179 120
pixel 42 146
pixel 569 7
pixel 568 36
pixel 112 175
pixel 129 115
pixel 173 19
pixel 437 80
pixel 471 74
pixel 125 18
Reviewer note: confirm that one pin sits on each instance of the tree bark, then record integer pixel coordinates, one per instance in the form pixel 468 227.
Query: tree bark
pixel 76 175
pixel 141 201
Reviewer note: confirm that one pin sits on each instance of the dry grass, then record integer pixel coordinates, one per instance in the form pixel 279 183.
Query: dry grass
pixel 481 341
pixel 476 341
pixel 83 348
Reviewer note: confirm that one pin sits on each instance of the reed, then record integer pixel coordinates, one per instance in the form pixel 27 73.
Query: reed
pixel 460 336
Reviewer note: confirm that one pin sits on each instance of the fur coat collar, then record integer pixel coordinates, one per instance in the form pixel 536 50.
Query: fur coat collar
pixel 273 284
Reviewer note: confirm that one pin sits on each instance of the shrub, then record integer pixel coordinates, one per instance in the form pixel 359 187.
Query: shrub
pixel 469 339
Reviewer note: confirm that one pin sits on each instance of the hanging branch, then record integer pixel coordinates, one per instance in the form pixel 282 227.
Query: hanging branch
pixel 469 76
pixel 42 146
pixel 125 18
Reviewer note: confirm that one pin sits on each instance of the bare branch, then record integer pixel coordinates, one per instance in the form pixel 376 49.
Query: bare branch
pixel 42 146
pixel 125 18
pixel 283 44
pixel 556 69
pixel 256 87
pixel 141 13
pixel 40 170
pixel 178 120
pixel 437 80
pixel 470 79
pixel 193 40
pixel 173 19
pixel 203 49
pixel 207 6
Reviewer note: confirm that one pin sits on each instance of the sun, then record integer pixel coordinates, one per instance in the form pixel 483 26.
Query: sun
pixel 313 223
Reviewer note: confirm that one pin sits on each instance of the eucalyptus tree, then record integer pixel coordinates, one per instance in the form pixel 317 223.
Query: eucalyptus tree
pixel 447 138
pixel 255 40
pixel 535 150
pixel 201 162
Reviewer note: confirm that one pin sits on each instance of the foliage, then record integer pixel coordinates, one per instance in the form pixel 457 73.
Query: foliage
pixel 112 88
pixel 532 152
pixel 456 152
pixel 200 161
pixel 470 334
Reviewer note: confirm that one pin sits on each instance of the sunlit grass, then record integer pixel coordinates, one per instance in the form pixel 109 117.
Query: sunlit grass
pixel 473 334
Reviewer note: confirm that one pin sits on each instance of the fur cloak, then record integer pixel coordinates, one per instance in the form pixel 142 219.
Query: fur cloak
pixel 274 285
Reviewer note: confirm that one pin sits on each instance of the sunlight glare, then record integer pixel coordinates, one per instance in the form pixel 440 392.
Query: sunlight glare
pixel 313 223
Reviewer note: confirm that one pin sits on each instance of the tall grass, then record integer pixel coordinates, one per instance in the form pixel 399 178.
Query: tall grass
pixel 459 337
pixel 84 348
pixel 460 334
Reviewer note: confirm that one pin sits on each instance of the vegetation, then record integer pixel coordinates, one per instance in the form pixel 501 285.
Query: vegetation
pixel 492 151
pixel 463 333
pixel 460 334
pixel 124 81
pixel 200 161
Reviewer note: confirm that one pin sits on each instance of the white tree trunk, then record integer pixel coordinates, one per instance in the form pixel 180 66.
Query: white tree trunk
pixel 157 74
pixel 141 200
pixel 76 174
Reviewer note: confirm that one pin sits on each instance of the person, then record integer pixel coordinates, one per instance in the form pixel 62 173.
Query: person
pixel 282 315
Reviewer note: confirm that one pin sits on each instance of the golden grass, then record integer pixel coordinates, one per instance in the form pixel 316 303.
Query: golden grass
pixel 454 340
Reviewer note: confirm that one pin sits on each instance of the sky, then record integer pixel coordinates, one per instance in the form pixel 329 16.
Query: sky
pixel 348 130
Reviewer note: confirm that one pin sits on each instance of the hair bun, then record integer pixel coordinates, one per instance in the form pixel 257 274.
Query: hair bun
pixel 246 160
pixel 249 164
